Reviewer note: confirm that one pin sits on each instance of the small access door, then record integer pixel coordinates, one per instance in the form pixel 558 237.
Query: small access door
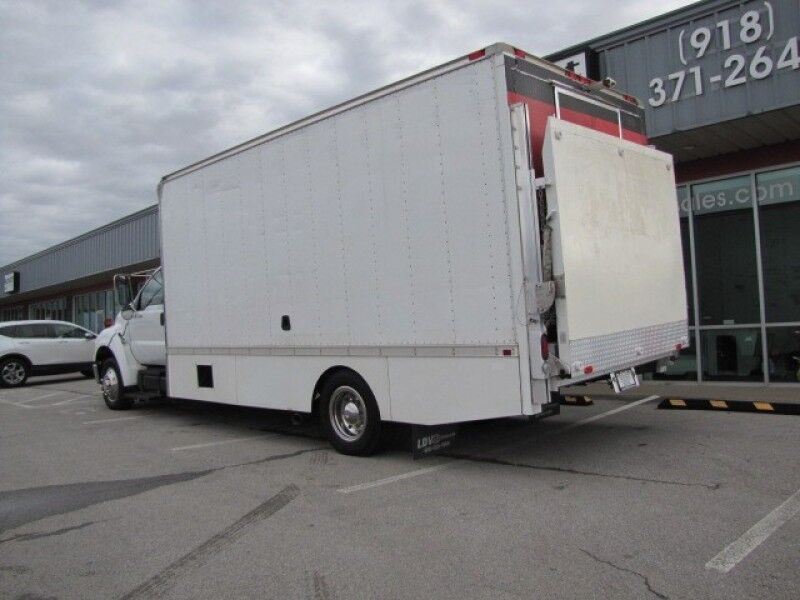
pixel 616 250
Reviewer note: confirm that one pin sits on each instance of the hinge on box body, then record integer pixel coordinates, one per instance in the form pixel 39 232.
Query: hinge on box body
pixel 544 294
pixel 541 183
pixel 554 367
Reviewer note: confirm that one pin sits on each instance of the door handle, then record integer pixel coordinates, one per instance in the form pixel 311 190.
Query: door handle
pixel 161 319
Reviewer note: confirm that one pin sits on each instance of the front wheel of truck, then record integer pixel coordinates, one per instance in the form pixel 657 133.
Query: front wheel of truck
pixel 350 414
pixel 113 389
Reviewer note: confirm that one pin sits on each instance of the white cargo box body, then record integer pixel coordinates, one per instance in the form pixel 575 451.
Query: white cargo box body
pixel 383 235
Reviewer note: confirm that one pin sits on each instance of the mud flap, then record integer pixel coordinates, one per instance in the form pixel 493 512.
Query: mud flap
pixel 427 440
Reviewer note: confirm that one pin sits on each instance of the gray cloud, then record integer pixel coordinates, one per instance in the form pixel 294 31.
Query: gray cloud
pixel 99 100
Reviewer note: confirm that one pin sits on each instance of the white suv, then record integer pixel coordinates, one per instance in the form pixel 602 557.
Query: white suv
pixel 43 348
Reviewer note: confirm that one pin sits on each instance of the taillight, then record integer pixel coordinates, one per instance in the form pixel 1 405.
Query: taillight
pixel 577 77
pixel 545 347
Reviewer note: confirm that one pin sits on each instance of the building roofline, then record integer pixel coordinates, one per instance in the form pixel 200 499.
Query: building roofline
pixel 637 30
pixel 152 209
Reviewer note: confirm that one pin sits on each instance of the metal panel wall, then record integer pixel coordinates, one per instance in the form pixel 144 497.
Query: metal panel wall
pixel 723 63
pixel 130 240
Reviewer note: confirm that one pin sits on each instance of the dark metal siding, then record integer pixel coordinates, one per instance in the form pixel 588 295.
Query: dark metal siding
pixel 127 241
pixel 638 57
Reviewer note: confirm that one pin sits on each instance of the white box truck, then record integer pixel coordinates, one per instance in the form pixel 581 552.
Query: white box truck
pixel 452 247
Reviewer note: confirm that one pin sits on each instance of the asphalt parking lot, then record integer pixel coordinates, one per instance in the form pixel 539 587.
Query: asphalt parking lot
pixel 186 500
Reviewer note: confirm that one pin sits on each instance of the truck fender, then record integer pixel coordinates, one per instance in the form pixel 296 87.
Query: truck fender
pixel 129 367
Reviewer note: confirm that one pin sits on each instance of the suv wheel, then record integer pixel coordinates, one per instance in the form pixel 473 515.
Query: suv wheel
pixel 13 372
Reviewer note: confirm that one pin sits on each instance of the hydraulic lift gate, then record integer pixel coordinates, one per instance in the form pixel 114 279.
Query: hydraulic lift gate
pixel 616 247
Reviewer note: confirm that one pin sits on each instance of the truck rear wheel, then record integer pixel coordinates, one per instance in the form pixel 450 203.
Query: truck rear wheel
pixel 350 414
pixel 113 389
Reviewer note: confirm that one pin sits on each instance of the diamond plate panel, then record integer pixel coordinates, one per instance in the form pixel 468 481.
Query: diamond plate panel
pixel 627 348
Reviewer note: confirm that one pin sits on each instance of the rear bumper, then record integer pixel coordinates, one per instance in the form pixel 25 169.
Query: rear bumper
pixel 608 353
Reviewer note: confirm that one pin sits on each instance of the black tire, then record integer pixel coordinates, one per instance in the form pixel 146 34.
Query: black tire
pixel 14 372
pixel 350 415
pixel 113 393
pixel 88 373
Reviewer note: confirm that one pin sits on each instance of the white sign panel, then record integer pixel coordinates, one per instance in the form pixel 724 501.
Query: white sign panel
pixel 575 63
pixel 11 282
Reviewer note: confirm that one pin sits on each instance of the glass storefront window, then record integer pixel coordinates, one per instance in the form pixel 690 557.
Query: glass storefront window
pixel 779 219
pixel 725 252
pixel 685 366
pixel 783 348
pixel 55 309
pixel 12 313
pixel 94 310
pixel 732 354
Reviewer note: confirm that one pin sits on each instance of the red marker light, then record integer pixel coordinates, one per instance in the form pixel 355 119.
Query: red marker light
pixel 545 347
pixel 588 370
pixel 678 346
pixel 476 55
pixel 506 351
pixel 579 78
pixel 520 53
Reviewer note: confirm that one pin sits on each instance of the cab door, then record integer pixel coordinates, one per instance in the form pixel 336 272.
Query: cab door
pixel 146 326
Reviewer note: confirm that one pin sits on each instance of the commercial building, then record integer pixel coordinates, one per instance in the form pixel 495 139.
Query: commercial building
pixel 72 281
pixel 720 81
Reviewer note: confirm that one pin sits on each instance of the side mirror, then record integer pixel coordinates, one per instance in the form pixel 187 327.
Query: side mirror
pixel 89 336
pixel 127 312
pixel 123 290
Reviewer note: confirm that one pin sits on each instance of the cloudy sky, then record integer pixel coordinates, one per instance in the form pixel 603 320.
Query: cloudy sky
pixel 98 100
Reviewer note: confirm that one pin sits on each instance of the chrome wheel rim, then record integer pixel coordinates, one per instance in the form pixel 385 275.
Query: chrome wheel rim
pixel 348 413
pixel 13 372
pixel 110 385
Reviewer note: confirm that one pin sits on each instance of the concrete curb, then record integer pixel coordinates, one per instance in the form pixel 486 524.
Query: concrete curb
pixel 576 401
pixel 774 408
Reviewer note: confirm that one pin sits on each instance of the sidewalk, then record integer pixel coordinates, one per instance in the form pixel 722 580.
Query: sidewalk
pixel 686 390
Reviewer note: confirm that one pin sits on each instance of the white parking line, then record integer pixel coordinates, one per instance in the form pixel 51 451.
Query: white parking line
pixel 408 475
pixel 115 420
pixel 71 400
pixel 372 484
pixel 219 443
pixel 607 413
pixel 755 536
pixel 37 398
pixel 10 403
pixel 27 403
pixel 78 399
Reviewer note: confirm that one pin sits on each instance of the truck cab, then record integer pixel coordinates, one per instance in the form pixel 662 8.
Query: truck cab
pixel 130 356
